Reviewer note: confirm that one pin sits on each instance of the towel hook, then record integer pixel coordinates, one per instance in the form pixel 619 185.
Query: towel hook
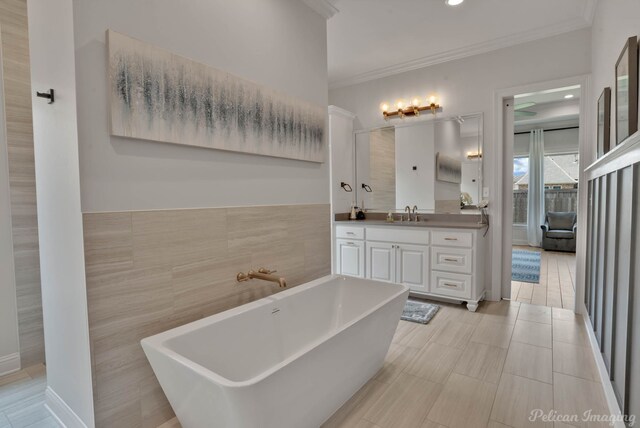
pixel 48 95
pixel 346 187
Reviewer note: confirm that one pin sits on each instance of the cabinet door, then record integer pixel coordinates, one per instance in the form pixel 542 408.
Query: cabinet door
pixel 381 261
pixel 350 257
pixel 412 266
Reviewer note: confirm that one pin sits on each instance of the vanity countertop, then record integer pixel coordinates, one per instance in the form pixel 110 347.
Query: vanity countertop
pixel 421 223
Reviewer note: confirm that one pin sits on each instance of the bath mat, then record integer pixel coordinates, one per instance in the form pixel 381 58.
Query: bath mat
pixel 525 266
pixel 417 311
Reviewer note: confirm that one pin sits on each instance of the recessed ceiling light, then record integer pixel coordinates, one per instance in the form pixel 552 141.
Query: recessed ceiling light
pixel 568 96
pixel 454 2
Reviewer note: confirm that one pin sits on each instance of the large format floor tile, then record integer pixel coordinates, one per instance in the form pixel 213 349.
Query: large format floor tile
pixel 405 403
pixel 532 333
pixel 575 396
pixel 533 362
pixel 464 403
pixel 517 397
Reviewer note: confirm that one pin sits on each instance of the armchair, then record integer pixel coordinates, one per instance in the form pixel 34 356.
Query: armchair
pixel 559 231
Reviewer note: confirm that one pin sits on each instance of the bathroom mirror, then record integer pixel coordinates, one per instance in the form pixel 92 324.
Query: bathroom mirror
pixel 434 164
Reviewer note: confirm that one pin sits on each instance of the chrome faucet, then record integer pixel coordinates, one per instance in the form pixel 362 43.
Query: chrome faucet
pixel 415 213
pixel 407 209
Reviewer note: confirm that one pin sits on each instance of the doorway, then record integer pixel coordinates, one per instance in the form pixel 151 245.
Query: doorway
pixel 557 110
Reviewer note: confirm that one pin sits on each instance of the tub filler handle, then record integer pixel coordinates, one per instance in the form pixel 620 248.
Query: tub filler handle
pixel 262 273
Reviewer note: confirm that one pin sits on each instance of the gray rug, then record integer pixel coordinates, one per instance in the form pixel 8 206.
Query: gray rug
pixel 419 311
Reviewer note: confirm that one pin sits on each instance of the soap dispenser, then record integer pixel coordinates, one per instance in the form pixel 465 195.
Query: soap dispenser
pixel 353 215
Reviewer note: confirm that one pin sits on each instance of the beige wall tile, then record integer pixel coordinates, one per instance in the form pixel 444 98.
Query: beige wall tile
pixel 150 271
pixel 22 188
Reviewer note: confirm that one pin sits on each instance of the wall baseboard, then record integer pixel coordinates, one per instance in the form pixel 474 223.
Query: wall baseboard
pixel 9 364
pixel 610 396
pixel 61 411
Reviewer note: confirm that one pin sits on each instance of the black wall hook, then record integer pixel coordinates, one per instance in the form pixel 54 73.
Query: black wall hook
pixel 366 187
pixel 346 187
pixel 48 95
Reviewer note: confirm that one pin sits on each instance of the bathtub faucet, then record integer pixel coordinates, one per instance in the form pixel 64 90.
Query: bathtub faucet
pixel 262 273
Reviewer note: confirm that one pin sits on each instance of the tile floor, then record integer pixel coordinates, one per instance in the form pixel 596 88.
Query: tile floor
pixel 462 370
pixel 484 369
pixel 22 399
pixel 557 279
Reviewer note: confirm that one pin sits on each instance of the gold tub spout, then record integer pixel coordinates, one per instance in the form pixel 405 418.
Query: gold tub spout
pixel 264 274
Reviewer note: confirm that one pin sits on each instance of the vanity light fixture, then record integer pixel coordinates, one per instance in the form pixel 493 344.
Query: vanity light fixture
pixel 413 109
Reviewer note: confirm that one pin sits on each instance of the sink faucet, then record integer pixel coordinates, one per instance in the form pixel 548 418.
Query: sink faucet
pixel 415 213
pixel 407 209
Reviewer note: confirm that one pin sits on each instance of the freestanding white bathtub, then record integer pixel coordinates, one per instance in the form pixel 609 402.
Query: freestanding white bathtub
pixel 286 361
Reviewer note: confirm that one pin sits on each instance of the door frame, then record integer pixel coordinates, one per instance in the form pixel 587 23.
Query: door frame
pixel 500 218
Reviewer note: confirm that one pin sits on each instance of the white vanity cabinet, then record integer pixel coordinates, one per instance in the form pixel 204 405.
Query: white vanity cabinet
pixel 349 250
pixel 445 263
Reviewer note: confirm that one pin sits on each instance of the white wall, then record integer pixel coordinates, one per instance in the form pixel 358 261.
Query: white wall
pixel 9 345
pixel 64 300
pixel 614 23
pixel 469 85
pixel 342 158
pixel 415 147
pixel 278 43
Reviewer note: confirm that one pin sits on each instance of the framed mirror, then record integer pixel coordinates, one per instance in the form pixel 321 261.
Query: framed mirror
pixel 435 165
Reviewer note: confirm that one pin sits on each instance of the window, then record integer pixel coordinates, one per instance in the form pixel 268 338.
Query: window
pixel 520 189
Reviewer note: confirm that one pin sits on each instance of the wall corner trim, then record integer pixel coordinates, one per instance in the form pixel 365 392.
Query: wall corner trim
pixel 610 396
pixel 9 363
pixel 324 8
pixel 61 411
pixel 341 112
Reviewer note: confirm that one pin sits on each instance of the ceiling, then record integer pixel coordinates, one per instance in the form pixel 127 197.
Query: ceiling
pixel 369 39
pixel 548 108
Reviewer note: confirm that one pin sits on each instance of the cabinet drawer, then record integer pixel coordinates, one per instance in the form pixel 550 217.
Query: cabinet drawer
pixel 398 235
pixel 451 259
pixel 350 232
pixel 451 284
pixel 452 238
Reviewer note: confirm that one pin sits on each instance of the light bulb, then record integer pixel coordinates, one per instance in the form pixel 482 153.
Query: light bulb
pixel 454 2
pixel 384 107
pixel 416 102
pixel 432 99
pixel 399 104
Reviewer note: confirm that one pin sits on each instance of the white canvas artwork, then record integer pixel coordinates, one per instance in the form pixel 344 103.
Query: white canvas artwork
pixel 160 96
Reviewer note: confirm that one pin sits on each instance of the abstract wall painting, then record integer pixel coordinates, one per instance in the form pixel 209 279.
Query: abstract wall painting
pixel 160 96
pixel 448 169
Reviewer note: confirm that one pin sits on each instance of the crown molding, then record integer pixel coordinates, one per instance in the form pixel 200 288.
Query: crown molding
pixel 325 8
pixel 341 112
pixel 590 10
pixel 467 51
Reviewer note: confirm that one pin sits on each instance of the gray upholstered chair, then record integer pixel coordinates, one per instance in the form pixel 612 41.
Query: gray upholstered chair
pixel 559 231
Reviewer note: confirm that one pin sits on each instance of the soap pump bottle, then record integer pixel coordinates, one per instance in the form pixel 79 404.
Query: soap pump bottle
pixel 352 215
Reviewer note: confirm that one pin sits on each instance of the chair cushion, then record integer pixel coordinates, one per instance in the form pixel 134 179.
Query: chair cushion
pixel 561 221
pixel 560 234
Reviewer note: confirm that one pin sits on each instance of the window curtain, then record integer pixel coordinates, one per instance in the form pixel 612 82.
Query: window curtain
pixel 535 199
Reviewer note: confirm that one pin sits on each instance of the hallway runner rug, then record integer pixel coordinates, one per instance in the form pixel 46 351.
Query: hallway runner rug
pixel 525 266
